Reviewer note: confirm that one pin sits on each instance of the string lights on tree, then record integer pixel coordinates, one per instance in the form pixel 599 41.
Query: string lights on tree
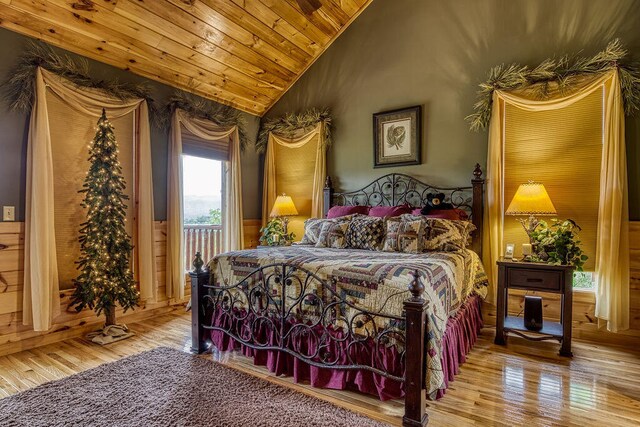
pixel 105 278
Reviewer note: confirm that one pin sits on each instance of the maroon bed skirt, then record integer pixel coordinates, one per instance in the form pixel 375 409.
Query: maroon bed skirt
pixel 459 337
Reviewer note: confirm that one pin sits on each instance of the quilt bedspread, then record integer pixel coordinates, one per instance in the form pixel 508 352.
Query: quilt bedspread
pixel 376 281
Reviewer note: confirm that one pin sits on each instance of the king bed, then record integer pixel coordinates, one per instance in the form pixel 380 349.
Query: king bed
pixel 384 322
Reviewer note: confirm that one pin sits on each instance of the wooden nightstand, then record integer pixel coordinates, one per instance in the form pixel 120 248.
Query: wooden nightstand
pixel 535 277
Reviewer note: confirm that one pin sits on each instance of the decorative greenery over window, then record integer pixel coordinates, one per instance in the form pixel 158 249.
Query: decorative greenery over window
pixel 222 115
pixel 564 72
pixel 20 87
pixel 290 123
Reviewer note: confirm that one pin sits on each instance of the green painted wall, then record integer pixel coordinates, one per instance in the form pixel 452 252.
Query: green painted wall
pixel 14 130
pixel 434 52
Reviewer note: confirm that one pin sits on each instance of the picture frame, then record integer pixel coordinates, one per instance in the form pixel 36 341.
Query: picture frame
pixel 508 253
pixel 397 137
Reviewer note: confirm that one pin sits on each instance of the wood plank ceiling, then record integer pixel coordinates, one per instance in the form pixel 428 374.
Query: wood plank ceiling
pixel 243 53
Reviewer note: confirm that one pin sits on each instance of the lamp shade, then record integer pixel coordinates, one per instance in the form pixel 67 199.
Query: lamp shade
pixel 531 199
pixel 283 206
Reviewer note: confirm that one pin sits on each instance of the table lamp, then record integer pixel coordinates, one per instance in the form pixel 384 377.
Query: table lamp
pixel 530 200
pixel 283 207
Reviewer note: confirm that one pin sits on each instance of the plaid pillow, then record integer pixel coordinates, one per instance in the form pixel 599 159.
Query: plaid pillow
pixel 404 236
pixel 365 232
pixel 447 235
pixel 332 235
pixel 312 228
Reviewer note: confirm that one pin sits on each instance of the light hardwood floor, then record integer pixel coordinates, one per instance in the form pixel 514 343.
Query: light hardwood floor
pixel 522 384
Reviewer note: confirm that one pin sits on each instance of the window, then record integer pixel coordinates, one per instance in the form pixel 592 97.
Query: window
pixel 202 206
pixel 563 150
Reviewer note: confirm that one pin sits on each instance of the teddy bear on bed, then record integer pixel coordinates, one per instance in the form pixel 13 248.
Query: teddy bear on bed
pixel 435 202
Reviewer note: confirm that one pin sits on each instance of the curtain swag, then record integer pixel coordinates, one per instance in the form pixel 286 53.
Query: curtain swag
pixel 222 116
pixel 41 300
pixel 290 125
pixel 612 250
pixel 232 215
pixel 20 87
pixel 564 74
pixel 269 192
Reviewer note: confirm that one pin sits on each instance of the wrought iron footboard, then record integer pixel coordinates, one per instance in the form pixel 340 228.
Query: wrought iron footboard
pixel 274 305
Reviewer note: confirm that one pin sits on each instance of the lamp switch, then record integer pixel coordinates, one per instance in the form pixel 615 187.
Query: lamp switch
pixel 8 213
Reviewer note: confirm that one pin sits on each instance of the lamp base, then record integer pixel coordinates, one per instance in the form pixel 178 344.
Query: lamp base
pixel 529 225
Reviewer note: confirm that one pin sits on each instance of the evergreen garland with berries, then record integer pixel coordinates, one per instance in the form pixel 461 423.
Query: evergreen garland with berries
pixel 105 278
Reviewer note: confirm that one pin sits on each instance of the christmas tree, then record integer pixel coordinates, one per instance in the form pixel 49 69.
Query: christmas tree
pixel 105 277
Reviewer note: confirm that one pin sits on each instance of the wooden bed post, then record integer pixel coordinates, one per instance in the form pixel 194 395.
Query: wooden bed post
pixel 328 195
pixel 199 278
pixel 415 400
pixel 477 209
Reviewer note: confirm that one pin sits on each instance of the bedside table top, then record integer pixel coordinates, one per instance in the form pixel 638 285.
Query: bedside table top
pixel 533 265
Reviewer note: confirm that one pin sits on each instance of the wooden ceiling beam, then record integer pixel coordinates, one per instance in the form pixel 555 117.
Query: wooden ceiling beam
pixel 233 20
pixel 242 53
pixel 269 18
pixel 184 57
pixel 165 15
pixel 89 25
pixel 17 20
pixel 297 20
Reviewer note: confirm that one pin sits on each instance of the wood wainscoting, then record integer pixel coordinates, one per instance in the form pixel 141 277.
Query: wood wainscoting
pixel 14 336
pixel 585 323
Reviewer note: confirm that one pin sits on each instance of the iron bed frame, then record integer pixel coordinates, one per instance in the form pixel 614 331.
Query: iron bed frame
pixel 290 301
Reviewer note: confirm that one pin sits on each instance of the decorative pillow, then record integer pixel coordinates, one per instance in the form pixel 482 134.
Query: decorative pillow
pixel 458 214
pixel 447 235
pixel 333 234
pixel 389 211
pixel 339 211
pixel 404 235
pixel 365 232
pixel 312 228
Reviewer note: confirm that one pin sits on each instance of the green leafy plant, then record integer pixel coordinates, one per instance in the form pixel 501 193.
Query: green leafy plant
pixel 557 243
pixel 273 234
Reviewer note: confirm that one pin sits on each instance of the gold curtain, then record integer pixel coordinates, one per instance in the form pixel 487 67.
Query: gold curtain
pixel 41 299
pixel 232 215
pixel 612 245
pixel 296 166
pixel 568 165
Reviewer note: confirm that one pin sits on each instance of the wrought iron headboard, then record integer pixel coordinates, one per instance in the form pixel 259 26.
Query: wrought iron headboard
pixel 397 189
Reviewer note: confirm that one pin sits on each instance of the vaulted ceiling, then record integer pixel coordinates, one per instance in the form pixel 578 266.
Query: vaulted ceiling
pixel 243 53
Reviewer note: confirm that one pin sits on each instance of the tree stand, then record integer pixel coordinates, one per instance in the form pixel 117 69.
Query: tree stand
pixel 111 332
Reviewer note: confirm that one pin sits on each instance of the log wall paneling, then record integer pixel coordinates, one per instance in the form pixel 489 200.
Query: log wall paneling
pixel 242 53
pixel 14 336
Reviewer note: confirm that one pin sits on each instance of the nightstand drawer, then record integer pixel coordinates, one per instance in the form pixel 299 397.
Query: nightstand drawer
pixel 534 279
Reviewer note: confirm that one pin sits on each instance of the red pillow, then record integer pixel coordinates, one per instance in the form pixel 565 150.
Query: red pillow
pixel 383 211
pixel 338 211
pixel 456 214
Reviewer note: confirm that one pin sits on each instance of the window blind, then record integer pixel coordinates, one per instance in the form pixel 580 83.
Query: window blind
pixel 71 132
pixel 193 145
pixel 294 176
pixel 563 150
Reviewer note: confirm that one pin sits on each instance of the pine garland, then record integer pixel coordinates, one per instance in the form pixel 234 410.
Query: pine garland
pixel 105 277
pixel 222 115
pixel 564 72
pixel 290 123
pixel 20 87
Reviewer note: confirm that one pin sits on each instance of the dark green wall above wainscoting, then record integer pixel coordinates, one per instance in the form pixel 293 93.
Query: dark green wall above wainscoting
pixel 14 129
pixel 401 53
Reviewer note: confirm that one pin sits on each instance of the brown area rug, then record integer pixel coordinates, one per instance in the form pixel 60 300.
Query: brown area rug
pixel 166 387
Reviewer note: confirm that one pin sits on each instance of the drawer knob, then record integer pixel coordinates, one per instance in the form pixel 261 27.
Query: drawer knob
pixel 534 280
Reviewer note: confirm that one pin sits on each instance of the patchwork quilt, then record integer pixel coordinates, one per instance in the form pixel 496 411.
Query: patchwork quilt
pixel 376 281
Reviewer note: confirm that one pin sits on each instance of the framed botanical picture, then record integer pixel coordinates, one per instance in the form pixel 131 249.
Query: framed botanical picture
pixel 397 137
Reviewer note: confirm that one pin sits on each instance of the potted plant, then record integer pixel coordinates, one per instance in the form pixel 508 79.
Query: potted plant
pixel 274 234
pixel 557 243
